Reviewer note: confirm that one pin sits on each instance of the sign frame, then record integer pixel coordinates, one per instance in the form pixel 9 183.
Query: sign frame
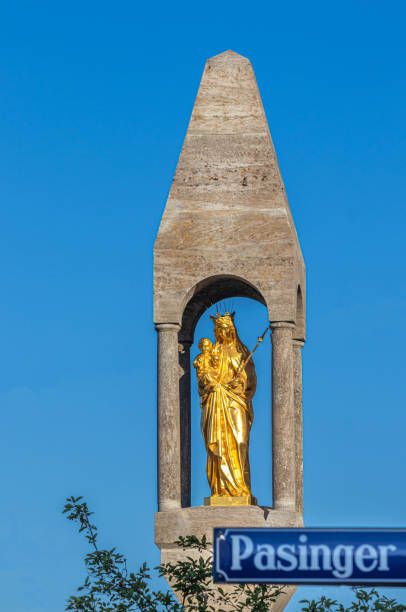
pixel 220 576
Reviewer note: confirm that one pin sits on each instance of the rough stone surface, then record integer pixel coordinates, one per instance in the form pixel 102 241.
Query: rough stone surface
pixel 228 198
pixel 227 231
pixel 169 442
pixel 185 433
pixel 283 418
pixel 297 381
pixel 200 521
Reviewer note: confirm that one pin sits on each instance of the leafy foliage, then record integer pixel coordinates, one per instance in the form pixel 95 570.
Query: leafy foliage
pixel 365 601
pixel 110 587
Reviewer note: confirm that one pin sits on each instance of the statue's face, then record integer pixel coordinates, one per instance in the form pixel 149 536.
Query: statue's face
pixel 205 345
pixel 225 330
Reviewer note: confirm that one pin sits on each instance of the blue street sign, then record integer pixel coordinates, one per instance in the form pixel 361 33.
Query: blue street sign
pixel 364 557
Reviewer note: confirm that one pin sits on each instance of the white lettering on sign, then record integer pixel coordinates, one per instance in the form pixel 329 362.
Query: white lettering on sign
pixel 340 559
pixel 286 552
pixel 303 553
pixel 383 557
pixel 238 553
pixel 264 558
pixel 325 552
pixel 364 554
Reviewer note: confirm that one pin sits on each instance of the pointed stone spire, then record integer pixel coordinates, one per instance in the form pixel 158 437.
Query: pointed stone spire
pixel 227 212
pixel 227 231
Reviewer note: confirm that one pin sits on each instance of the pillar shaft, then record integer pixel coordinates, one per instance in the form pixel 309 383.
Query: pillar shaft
pixel 185 424
pixel 169 485
pixel 283 418
pixel 297 386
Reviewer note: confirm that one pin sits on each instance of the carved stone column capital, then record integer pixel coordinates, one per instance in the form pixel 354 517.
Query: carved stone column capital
pixel 282 325
pixel 164 327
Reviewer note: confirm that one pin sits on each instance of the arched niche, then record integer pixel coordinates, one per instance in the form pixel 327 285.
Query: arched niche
pixel 201 297
pixel 209 292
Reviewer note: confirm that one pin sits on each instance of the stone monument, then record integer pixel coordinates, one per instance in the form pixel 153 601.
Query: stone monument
pixel 227 231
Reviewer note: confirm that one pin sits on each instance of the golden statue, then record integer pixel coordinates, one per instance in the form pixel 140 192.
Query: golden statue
pixel 227 382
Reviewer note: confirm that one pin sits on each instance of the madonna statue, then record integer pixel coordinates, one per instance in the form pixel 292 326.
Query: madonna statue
pixel 226 382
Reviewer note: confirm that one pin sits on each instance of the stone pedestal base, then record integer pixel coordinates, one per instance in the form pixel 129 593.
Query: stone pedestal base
pixel 201 520
pixel 228 500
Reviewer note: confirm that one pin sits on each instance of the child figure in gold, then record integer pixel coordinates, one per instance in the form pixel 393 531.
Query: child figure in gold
pixel 206 364
pixel 226 386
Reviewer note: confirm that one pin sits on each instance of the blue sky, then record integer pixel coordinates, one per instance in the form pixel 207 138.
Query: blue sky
pixel 94 104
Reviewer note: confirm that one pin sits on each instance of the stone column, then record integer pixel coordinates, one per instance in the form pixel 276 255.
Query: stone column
pixel 283 418
pixel 297 387
pixel 169 487
pixel 185 433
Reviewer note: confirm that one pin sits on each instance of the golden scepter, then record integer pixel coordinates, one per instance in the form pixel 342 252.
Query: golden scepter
pixel 244 363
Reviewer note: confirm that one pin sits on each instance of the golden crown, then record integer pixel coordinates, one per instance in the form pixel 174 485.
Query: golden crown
pixel 225 315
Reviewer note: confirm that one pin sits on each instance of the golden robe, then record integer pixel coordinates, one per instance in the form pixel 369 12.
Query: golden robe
pixel 227 415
